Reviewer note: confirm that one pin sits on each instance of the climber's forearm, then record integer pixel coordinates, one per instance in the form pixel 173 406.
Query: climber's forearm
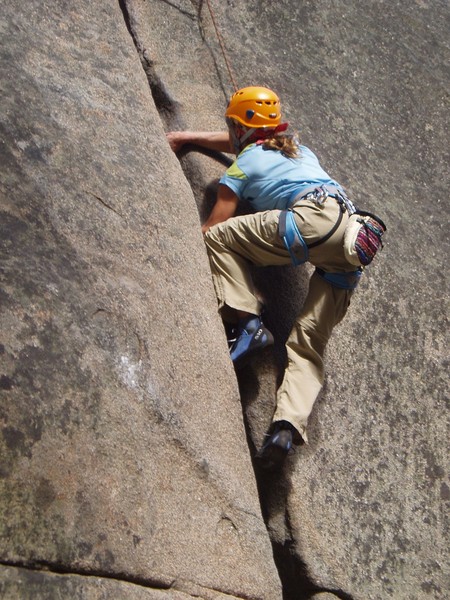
pixel 224 208
pixel 212 140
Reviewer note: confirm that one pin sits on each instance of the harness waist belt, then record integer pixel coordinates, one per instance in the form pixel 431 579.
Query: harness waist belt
pixel 289 231
pixel 319 194
pixel 315 190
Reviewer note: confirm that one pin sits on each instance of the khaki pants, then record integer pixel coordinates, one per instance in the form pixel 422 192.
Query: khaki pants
pixel 254 239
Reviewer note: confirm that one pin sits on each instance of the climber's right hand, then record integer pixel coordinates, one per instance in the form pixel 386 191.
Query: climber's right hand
pixel 177 139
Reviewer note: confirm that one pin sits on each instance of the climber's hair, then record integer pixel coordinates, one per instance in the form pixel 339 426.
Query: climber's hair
pixel 286 144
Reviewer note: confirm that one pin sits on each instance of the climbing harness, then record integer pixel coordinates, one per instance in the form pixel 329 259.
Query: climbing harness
pixel 292 238
pixel 318 195
pixel 295 243
pixel 290 233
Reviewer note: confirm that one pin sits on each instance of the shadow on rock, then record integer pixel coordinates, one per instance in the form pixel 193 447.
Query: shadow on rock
pixel 275 484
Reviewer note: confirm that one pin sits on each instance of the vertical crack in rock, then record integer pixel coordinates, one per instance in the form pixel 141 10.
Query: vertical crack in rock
pixel 273 490
pixel 293 571
pixel 166 106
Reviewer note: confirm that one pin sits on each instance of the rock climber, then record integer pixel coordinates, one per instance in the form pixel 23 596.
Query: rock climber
pixel 300 213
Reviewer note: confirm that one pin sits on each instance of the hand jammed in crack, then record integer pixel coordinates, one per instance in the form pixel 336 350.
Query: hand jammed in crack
pixel 212 140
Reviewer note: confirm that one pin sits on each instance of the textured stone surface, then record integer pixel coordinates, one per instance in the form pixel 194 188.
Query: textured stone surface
pixel 122 432
pixel 115 378
pixel 361 510
pixel 25 584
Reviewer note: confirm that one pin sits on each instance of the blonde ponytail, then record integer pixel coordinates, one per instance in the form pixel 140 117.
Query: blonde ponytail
pixel 286 144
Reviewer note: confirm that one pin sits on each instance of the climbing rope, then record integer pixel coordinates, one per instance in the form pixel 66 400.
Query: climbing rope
pixel 222 46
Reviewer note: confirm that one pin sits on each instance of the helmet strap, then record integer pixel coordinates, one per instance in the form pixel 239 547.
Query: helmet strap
pixel 250 131
pixel 235 138
pixel 257 133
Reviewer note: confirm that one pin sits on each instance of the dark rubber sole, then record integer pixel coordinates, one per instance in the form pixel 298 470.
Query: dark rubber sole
pixel 272 457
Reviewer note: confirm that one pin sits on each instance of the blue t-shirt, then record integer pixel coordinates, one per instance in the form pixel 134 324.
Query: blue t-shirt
pixel 267 179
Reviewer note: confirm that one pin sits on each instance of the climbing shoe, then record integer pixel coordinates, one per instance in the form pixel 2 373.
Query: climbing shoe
pixel 251 335
pixel 278 445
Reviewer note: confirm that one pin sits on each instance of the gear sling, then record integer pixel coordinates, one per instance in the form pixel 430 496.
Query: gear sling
pixel 299 249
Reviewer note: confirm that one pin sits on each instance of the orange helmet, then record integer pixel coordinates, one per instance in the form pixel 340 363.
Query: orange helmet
pixel 254 107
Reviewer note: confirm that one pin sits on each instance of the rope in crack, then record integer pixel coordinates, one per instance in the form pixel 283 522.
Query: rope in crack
pixel 221 43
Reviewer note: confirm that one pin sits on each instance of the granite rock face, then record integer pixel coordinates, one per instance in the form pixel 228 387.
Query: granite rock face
pixel 117 391
pixel 126 461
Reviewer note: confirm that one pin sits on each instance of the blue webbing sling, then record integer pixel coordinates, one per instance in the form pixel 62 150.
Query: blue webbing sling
pixel 345 281
pixel 292 238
